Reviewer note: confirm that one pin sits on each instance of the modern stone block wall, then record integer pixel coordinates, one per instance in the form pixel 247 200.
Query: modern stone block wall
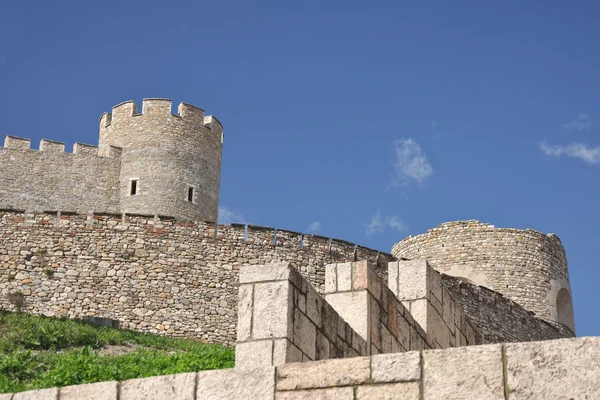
pixel 421 290
pixel 554 369
pixel 527 266
pixel 359 295
pixel 282 319
pixel 50 179
pixel 500 319
pixel 156 275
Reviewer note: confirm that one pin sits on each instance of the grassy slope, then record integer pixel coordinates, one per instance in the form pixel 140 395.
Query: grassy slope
pixel 38 352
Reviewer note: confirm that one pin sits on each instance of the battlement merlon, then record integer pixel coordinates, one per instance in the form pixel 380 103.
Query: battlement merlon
pixel 17 143
pixel 158 108
pixel 54 147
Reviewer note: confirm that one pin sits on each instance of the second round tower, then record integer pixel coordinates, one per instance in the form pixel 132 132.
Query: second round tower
pixel 527 266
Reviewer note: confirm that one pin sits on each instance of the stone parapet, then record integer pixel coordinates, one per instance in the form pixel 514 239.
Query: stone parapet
pixel 554 369
pixel 359 295
pixel 282 319
pixel 430 303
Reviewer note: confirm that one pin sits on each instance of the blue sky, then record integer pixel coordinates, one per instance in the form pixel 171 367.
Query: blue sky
pixel 365 122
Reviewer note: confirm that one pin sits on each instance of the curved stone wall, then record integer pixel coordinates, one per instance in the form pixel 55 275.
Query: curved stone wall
pixel 151 274
pixel 167 155
pixel 527 266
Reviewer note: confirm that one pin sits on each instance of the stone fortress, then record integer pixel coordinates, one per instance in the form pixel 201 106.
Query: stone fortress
pixel 151 162
pixel 126 234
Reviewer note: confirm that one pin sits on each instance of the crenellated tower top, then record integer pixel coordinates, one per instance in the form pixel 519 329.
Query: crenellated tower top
pixel 170 162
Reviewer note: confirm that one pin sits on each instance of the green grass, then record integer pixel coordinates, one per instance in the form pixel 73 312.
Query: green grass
pixel 38 352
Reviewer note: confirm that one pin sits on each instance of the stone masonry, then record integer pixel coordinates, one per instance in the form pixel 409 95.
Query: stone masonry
pixel 526 266
pixel 278 308
pixel 550 370
pixel 153 162
pixel 178 278
pixel 126 232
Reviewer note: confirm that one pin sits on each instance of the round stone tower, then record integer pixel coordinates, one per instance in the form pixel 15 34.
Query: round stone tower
pixel 527 266
pixel 170 164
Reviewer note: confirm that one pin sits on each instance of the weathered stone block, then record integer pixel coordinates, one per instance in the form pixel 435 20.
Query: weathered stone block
pixel 353 308
pixel 360 275
pixel 244 323
pixel 257 384
pixel 314 306
pixel 91 391
pixel 400 367
pixel 322 374
pixel 42 394
pixel 285 352
pixel 272 302
pixel 474 372
pixel 305 334
pixel 412 279
pixel 175 387
pixel 330 278
pixel 264 273
pixel 390 391
pixel 257 353
pixel 318 394
pixel 557 369
pixel 344 277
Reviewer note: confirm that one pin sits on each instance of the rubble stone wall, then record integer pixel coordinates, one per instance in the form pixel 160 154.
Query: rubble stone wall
pixel 527 266
pixel 50 179
pixel 500 319
pixel 150 274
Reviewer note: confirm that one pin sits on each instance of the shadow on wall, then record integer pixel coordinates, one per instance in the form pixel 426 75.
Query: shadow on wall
pixel 564 308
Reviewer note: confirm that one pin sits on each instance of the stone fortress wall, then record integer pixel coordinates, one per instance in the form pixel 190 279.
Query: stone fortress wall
pixel 50 179
pixel 175 161
pixel 293 345
pixel 527 266
pixel 155 275
pixel 115 253
pixel 165 276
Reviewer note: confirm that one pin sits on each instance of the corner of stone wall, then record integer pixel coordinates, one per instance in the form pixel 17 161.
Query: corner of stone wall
pixel 282 319
pixel 419 287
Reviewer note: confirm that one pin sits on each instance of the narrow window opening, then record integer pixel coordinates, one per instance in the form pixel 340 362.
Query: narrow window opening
pixel 133 190
pixel 190 194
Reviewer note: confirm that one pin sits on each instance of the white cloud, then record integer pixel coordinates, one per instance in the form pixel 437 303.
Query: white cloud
pixel 581 123
pixel 227 216
pixel 411 163
pixel 314 227
pixel 378 223
pixel 590 155
pixel 397 223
